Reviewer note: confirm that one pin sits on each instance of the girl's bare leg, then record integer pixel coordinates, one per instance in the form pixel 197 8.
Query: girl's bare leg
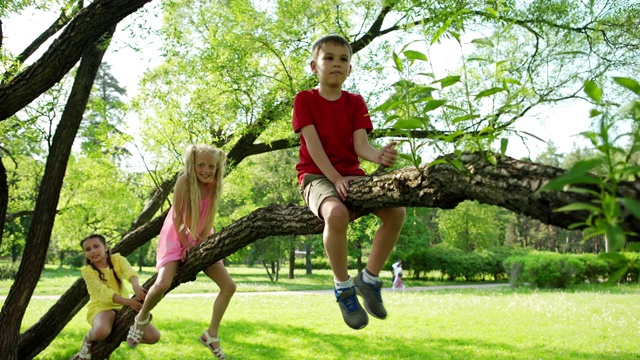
pixel 219 274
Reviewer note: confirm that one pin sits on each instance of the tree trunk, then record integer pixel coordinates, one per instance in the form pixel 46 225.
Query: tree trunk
pixel 292 258
pixel 307 257
pixel 4 196
pixel 34 256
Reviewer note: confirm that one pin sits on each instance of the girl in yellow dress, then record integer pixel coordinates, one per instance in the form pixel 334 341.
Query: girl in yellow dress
pixel 104 275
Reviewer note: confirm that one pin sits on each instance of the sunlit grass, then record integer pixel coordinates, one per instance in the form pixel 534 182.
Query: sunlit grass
pixel 56 280
pixel 582 322
pixel 502 323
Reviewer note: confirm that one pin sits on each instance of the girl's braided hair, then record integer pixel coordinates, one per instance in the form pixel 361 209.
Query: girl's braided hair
pixel 88 262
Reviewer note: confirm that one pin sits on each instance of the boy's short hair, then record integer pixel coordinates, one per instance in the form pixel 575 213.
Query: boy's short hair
pixel 330 39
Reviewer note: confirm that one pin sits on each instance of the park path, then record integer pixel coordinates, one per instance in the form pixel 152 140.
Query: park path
pixel 303 292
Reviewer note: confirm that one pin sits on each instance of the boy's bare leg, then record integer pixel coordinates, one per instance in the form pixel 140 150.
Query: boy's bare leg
pixel 334 236
pixel 386 237
pixel 336 222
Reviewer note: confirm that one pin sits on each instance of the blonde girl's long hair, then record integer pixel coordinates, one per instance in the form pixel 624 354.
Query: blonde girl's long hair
pixel 191 217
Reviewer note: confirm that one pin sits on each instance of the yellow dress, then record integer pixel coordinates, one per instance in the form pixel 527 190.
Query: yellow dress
pixel 101 293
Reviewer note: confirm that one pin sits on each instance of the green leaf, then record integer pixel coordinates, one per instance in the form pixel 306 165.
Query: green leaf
pixel 613 257
pixel 449 80
pixel 433 104
pixel 592 90
pixel 507 60
pixel 504 142
pixel 487 130
pixel 489 92
pixel 442 29
pixel 408 124
pixel 617 275
pixel 397 61
pixel 431 75
pixel 616 237
pixel 464 117
pixel 579 207
pixel 406 157
pixel 479 59
pixel 578 190
pixel 387 106
pixel 594 113
pixel 511 81
pixel 631 205
pixel 576 175
pixel 492 11
pixel 438 161
pixel 559 183
pixel 483 41
pixel 415 55
pixel 628 83
pixel 390 118
pixel 584 166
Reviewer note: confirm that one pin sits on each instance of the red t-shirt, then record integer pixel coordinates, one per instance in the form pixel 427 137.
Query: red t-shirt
pixel 335 122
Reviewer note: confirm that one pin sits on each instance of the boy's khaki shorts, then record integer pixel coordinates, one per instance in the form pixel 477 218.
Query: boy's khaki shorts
pixel 315 189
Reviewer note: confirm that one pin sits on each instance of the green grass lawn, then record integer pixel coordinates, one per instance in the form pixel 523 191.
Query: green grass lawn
pixel 56 280
pixel 586 322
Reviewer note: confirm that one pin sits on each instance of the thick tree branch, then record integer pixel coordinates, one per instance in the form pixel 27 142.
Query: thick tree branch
pixel 510 184
pixel 88 25
pixel 58 24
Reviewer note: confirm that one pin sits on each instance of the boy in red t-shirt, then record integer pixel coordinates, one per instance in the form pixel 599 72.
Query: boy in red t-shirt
pixel 333 125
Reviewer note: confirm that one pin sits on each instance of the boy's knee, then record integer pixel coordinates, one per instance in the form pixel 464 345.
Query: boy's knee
pixel 393 215
pixel 336 214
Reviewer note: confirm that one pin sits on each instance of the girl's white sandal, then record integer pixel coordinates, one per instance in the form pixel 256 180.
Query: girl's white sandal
pixel 135 335
pixel 207 341
pixel 85 350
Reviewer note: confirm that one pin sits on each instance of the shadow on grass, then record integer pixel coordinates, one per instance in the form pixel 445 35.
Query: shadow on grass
pixel 257 341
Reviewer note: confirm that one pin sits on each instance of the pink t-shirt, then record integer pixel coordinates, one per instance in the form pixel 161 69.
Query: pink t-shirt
pixel 335 122
pixel 169 246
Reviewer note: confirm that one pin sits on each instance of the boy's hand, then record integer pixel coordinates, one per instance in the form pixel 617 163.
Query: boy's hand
pixel 387 156
pixel 342 185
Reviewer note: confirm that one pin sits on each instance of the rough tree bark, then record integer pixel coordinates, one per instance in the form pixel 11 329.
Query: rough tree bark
pixel 4 197
pixel 34 256
pixel 510 184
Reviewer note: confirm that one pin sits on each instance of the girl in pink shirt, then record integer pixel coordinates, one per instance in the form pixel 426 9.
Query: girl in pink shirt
pixel 188 223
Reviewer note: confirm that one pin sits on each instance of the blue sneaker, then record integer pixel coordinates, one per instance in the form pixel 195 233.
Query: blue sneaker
pixel 352 313
pixel 371 295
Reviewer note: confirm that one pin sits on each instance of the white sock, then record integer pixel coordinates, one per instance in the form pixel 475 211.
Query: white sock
pixel 343 284
pixel 368 278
